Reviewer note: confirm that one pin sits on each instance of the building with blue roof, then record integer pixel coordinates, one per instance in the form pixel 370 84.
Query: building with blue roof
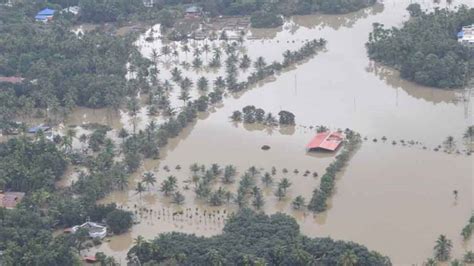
pixel 45 15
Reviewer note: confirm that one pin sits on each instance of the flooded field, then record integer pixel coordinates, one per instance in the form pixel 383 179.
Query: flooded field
pixel 396 199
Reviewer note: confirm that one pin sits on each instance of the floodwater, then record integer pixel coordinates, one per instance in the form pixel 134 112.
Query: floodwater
pixel 396 199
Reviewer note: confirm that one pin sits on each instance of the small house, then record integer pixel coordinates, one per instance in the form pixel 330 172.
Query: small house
pixel 193 12
pixel 95 230
pixel 466 35
pixel 9 200
pixel 45 15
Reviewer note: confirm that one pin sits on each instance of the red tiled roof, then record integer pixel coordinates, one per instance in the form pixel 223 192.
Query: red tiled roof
pixel 326 140
pixel 13 80
pixel 10 199
pixel 90 259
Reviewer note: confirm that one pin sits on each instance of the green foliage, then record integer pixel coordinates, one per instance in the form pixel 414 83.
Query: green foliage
pixel 425 49
pixel 27 165
pixel 252 238
pixel 119 221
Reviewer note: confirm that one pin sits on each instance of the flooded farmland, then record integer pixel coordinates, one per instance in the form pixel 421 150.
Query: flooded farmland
pixel 396 199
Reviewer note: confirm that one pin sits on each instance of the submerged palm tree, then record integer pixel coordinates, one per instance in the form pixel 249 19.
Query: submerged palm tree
pixel 443 248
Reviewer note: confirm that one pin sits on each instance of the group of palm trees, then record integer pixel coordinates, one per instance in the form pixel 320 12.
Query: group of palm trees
pixel 204 179
pixel 442 253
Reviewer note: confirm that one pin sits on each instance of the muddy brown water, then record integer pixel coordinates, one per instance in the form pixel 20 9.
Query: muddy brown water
pixel 392 198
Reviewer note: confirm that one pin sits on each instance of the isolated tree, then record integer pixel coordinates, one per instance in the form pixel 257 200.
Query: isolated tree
pixel 140 189
pixel 298 203
pixel 267 179
pixel 442 249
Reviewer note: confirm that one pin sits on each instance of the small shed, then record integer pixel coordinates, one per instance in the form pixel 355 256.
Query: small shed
pixel 328 141
pixel 45 15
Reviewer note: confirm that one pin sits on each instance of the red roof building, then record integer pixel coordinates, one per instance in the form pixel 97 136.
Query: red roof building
pixel 9 200
pixel 329 141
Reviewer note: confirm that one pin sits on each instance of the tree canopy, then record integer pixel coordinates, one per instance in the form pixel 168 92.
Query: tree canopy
pixel 251 237
pixel 425 48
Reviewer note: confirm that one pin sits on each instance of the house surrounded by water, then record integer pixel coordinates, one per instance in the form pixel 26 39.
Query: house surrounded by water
pixel 466 35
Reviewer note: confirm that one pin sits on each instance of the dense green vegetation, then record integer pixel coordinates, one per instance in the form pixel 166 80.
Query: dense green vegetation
pixel 33 166
pixel 318 202
pixel 250 114
pixel 27 166
pixel 249 238
pixel 425 49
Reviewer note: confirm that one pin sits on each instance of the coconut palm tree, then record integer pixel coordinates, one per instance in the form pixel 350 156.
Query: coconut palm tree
pixel 140 189
pixel 169 185
pixel 280 193
pixel 284 183
pixel 348 258
pixel 267 179
pixel 165 50
pixel 253 171
pixel 202 84
pixel 206 48
pixel 442 249
pixel 258 200
pixel 178 198
pixel 194 168
pixel 229 174
pixel 185 49
pixel 176 74
pixel 184 96
pixel 430 262
pixel 197 52
pixel 219 83
pixel 186 84
pixel 149 179
pixel 197 62
pixel 154 55
pixel 245 62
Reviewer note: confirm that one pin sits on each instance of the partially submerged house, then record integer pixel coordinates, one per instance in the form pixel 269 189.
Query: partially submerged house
pixel 9 200
pixel 327 141
pixel 95 230
pixel 466 35
pixel 45 15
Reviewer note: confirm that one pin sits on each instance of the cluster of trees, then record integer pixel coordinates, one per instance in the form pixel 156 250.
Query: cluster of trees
pixel 249 238
pixel 27 166
pixel 250 114
pixel 425 49
pixel 318 202
pixel 33 166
